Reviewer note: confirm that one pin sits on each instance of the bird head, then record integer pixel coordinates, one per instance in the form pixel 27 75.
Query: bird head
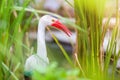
pixel 54 22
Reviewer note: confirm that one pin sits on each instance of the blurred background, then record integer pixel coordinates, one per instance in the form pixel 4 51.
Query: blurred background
pixel 65 9
pixel 23 38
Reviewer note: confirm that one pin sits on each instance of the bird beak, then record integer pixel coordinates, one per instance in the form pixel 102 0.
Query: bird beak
pixel 62 27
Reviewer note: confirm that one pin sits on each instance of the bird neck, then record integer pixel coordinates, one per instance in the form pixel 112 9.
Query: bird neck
pixel 41 46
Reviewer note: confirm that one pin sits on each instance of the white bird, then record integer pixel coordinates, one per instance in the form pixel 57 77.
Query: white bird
pixel 40 60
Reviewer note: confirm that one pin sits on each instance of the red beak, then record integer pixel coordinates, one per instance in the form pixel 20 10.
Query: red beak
pixel 60 26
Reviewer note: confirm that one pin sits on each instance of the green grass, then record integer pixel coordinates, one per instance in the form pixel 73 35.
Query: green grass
pixel 89 15
pixel 11 41
pixel 88 64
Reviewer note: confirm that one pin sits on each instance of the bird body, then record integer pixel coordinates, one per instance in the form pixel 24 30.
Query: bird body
pixel 40 60
pixel 34 62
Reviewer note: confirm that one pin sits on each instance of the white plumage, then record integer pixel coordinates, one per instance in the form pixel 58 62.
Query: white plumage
pixel 40 60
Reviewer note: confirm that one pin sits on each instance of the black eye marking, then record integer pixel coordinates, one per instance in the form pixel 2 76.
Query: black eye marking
pixel 54 16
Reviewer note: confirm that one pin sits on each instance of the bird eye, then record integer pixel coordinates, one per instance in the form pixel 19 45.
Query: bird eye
pixel 53 20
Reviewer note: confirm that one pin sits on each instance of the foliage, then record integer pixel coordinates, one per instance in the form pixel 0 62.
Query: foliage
pixel 53 72
pixel 11 41
pixel 89 47
pixel 15 46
